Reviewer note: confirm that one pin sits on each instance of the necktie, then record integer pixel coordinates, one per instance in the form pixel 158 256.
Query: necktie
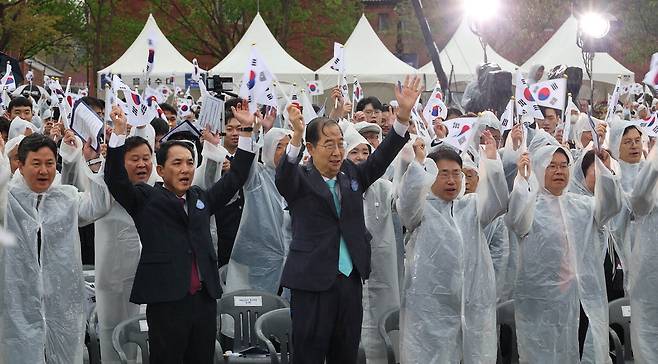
pixel 344 260
pixel 195 282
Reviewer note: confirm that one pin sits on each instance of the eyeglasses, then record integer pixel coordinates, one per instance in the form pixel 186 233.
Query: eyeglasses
pixel 444 175
pixel 554 167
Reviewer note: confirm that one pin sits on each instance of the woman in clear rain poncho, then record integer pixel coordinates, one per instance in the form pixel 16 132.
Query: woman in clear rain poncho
pixel 448 309
pixel 381 292
pixel 41 281
pixel 261 244
pixel 644 264
pixel 560 258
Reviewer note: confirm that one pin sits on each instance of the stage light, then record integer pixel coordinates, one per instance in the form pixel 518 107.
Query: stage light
pixel 594 25
pixel 481 10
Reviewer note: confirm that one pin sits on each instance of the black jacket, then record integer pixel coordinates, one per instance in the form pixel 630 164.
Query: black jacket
pixel 312 262
pixel 169 235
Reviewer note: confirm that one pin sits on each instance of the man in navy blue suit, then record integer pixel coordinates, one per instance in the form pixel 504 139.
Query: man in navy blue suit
pixel 177 274
pixel 329 254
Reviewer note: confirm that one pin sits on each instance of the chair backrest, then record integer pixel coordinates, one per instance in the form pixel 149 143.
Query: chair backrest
pixel 223 271
pixel 507 347
pixel 133 330
pixel 276 326
pixel 620 318
pixel 245 307
pixel 390 321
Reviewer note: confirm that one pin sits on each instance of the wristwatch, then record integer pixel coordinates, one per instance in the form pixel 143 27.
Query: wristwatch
pixel 91 162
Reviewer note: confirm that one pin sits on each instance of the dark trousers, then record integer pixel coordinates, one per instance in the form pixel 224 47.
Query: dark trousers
pixel 183 331
pixel 327 324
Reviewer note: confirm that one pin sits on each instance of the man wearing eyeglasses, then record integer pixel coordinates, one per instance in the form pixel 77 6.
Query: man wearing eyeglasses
pixel 329 254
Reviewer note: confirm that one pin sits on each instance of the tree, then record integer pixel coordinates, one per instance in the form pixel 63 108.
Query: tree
pixel 213 27
pixel 28 28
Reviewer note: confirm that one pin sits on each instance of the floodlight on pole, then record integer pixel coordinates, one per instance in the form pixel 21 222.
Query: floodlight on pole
pixel 594 25
pixel 478 13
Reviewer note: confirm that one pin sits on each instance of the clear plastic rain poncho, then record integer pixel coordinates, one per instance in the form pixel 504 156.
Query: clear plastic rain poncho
pixel 624 226
pixel 448 309
pixel 381 292
pixel 42 293
pixel 644 262
pixel 117 254
pixel 560 265
pixel 498 241
pixel 262 241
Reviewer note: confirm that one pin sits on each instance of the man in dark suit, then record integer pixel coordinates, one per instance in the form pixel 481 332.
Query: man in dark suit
pixel 330 250
pixel 177 273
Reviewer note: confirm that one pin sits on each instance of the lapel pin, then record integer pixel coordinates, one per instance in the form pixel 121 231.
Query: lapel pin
pixel 200 205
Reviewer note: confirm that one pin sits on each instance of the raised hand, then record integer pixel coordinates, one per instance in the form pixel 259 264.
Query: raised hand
pixel 419 150
pixel 268 120
pixel 523 166
pixel 242 114
pixel 601 130
pixel 212 138
pixel 489 145
pixel 297 122
pixel 70 138
pixel 517 136
pixel 119 121
pixel 407 93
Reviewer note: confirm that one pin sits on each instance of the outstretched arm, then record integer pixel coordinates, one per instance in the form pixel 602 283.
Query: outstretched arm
pixel 131 197
pixel 521 209
pixel 493 199
pixel 227 186
pixel 607 190
pixel 372 169
pixel 287 178
pixel 414 186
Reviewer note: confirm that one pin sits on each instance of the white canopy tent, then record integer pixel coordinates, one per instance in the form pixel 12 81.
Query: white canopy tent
pixel 562 49
pixel 367 58
pixel 167 61
pixel 462 55
pixel 284 67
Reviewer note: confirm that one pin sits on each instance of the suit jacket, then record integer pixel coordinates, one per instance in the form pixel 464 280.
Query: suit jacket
pixel 312 262
pixel 169 236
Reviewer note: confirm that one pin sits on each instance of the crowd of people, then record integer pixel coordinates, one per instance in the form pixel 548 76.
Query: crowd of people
pixel 347 216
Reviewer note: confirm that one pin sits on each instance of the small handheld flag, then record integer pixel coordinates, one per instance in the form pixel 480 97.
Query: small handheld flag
pixel 651 78
pixel 315 88
pixel 525 101
pixel 8 83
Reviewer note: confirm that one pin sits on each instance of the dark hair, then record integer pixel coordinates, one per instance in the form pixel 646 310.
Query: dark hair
pixel 93 102
pixel 136 141
pixel 162 154
pixel 454 111
pixel 33 143
pixel 588 160
pixel 19 102
pixel 160 126
pixel 316 126
pixel 376 104
pixel 445 153
pixel 543 109
pixel 228 114
pixel 628 128
pixel 4 124
pixel 166 107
